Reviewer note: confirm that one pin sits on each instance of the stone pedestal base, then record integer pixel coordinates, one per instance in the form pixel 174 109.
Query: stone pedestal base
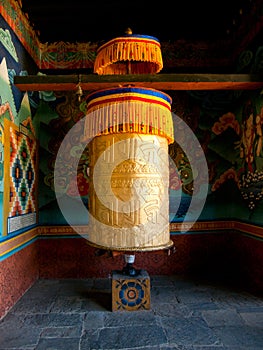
pixel 130 293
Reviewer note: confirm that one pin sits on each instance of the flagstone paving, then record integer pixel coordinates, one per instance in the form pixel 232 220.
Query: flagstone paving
pixel 185 314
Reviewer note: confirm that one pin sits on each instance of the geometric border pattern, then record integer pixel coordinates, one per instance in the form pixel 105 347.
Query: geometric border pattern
pixel 22 174
pixel 20 179
pixel 175 228
pixel 8 246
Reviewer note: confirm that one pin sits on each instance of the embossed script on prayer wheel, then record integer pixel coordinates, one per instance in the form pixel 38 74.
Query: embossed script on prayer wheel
pixel 129 131
pixel 129 201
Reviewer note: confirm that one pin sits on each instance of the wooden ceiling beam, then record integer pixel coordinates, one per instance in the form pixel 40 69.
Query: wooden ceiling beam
pixel 166 82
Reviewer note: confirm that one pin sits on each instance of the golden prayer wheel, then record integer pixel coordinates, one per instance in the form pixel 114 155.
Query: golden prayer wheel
pixel 129 129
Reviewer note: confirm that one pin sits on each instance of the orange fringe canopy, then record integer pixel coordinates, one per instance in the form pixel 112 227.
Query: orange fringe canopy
pixel 129 54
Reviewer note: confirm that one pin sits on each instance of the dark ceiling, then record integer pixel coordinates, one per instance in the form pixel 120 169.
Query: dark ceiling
pixel 99 21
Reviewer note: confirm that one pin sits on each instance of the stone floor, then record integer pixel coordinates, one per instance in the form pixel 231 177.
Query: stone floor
pixel 184 314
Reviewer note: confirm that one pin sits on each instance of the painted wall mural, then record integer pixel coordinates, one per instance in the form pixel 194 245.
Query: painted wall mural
pixel 11 11
pixel 18 161
pixel 21 161
pixel 57 114
pixel 229 127
pixel 18 144
pixel 237 138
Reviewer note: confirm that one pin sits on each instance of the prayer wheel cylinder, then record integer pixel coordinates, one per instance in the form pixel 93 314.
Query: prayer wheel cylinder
pixel 129 131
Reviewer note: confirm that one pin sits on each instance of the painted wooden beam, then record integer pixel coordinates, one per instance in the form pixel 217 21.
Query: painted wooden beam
pixel 166 82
